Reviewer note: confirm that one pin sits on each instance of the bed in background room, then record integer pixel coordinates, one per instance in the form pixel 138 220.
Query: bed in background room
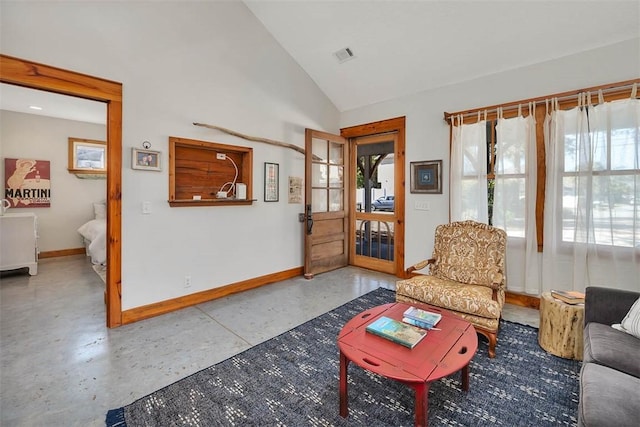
pixel 94 233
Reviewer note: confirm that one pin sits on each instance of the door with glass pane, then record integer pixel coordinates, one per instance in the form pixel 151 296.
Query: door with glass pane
pixel 376 210
pixel 326 202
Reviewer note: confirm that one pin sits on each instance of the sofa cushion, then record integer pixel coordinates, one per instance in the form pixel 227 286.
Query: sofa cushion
pixel 472 299
pixel 607 346
pixel 608 397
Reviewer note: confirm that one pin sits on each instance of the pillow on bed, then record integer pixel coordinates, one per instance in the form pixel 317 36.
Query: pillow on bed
pixel 100 210
pixel 92 229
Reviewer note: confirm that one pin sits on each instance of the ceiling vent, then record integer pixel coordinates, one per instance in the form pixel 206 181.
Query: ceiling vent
pixel 344 55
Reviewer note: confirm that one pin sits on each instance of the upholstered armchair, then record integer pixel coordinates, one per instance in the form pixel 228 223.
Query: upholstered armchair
pixel 466 276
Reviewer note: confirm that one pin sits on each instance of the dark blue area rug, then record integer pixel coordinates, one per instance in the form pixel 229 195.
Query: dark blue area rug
pixel 292 380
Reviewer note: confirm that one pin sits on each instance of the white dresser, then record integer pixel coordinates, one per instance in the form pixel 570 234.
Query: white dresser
pixel 19 241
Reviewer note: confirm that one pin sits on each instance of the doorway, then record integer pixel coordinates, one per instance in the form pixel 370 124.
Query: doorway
pixel 376 189
pixel 43 77
pixel 374 216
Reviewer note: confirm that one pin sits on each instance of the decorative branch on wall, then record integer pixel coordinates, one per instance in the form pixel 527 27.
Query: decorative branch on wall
pixel 253 138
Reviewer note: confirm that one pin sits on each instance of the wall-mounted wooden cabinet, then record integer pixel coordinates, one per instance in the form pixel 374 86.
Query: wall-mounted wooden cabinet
pixel 205 173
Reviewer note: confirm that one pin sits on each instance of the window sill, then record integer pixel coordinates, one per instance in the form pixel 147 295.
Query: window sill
pixel 209 202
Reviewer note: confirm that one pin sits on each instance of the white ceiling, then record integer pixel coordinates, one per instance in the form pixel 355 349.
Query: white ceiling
pixel 403 47
pixel 20 99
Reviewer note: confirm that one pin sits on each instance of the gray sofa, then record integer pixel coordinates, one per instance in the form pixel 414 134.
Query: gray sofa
pixel 610 375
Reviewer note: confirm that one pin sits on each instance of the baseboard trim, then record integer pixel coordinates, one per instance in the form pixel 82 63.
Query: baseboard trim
pixel 62 252
pixel 163 307
pixel 523 300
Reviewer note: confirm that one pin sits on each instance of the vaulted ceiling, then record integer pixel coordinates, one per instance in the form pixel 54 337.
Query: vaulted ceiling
pixel 403 47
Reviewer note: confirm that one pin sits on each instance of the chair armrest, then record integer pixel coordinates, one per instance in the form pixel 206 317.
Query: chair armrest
pixel 420 265
pixel 498 281
pixel 607 305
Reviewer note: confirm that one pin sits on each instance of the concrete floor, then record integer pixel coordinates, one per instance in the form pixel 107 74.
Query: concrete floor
pixel 60 365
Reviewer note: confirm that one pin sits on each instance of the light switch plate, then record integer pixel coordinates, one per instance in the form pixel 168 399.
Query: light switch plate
pixel 422 206
pixel 146 208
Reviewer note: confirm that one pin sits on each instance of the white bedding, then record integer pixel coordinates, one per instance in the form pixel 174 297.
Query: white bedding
pixel 95 234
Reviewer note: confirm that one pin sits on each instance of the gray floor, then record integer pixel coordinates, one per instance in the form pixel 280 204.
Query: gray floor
pixel 61 366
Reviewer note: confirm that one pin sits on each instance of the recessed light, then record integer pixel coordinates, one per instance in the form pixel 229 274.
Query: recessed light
pixel 35 107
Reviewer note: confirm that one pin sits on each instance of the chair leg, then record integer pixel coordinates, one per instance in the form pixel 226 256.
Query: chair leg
pixel 493 340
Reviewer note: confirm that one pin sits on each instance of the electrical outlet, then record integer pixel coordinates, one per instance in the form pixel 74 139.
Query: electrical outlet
pixel 187 282
pixel 221 156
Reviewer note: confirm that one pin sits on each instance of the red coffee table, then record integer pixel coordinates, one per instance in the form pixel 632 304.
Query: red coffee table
pixel 441 353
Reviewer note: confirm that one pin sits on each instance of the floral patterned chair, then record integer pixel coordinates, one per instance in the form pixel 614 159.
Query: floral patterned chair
pixel 467 276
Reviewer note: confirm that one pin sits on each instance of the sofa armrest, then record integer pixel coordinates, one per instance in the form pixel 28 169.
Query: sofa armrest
pixel 607 305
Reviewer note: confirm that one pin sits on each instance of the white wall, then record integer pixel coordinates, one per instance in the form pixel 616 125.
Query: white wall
pixel 427 134
pixel 184 62
pixel 45 138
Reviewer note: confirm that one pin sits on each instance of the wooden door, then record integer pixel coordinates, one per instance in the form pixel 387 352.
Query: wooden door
pixel 375 215
pixel 326 202
pixel 377 235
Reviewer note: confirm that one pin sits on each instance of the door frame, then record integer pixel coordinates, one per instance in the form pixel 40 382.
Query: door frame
pixel 396 125
pixel 34 75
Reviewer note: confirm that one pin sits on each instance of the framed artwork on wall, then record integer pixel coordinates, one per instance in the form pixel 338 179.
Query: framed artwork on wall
pixel 271 182
pixel 27 183
pixel 145 160
pixel 426 177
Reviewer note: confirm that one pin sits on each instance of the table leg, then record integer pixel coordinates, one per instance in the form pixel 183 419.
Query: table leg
pixel 465 378
pixel 422 404
pixel 344 404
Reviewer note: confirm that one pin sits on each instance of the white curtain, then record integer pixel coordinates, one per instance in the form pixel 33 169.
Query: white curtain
pixel 514 201
pixel 592 203
pixel 469 171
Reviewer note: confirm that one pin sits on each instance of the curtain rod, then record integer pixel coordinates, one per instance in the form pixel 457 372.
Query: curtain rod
pixel 563 96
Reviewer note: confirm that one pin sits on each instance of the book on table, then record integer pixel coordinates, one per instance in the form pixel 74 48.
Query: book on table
pixel 396 331
pixel 422 318
pixel 570 297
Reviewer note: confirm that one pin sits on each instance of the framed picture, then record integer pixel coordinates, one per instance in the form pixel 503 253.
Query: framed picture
pixel 271 182
pixel 145 159
pixel 27 183
pixel 87 156
pixel 426 177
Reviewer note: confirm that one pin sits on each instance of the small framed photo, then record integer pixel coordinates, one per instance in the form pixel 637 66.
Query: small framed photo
pixel 145 159
pixel 271 182
pixel 426 177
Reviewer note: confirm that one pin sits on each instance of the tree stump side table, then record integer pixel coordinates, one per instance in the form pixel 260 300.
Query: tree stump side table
pixel 561 326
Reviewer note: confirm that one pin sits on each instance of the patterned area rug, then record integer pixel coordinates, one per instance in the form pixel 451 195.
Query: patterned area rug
pixel 292 380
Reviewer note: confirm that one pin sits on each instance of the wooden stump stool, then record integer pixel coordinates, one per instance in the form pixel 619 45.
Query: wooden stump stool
pixel 561 327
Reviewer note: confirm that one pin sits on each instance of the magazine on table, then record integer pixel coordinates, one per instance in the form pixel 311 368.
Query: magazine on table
pixel 570 297
pixel 426 319
pixel 396 331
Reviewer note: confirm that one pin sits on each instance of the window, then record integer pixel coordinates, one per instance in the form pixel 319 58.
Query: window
pixel 600 175
pixel 576 198
pixel 87 156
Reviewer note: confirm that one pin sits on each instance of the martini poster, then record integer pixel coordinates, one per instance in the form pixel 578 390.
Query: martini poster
pixel 27 183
